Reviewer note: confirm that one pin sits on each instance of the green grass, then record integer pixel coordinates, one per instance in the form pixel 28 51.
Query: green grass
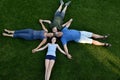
pixel 89 62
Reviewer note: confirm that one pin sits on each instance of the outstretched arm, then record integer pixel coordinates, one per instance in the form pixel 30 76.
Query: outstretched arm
pixel 43 26
pixel 40 49
pixel 42 43
pixel 61 50
pixel 67 24
pixel 66 51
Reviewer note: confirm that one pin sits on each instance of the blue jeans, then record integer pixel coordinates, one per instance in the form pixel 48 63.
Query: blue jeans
pixel 26 34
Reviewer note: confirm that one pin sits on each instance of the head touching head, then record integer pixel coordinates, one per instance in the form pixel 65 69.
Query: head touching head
pixel 54 29
pixel 58 34
pixel 53 40
pixel 50 35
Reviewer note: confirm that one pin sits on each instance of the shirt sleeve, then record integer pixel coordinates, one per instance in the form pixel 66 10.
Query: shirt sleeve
pixel 63 41
pixel 64 28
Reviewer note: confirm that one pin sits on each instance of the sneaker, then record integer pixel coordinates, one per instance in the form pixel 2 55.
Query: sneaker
pixel 61 2
pixel 106 36
pixel 107 45
pixel 67 3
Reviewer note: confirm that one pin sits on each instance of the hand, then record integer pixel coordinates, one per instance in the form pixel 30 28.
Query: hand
pixel 34 51
pixel 49 22
pixel 40 20
pixel 69 56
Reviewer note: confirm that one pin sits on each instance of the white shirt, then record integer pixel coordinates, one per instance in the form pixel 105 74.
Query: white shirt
pixel 52 49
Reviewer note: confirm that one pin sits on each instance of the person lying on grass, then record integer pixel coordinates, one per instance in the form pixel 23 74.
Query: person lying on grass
pixel 57 22
pixel 50 56
pixel 30 34
pixel 79 36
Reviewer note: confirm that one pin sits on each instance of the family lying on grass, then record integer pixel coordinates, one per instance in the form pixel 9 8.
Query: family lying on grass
pixel 59 30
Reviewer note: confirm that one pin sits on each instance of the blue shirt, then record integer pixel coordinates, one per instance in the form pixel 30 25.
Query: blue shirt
pixel 70 35
pixel 39 34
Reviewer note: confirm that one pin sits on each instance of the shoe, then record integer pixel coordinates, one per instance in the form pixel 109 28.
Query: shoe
pixel 66 4
pixel 107 45
pixel 106 36
pixel 61 2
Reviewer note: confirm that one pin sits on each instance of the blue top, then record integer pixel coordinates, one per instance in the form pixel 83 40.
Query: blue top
pixel 70 35
pixel 39 34
pixel 52 49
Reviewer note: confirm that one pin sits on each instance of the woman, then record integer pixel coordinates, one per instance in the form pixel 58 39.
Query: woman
pixel 30 34
pixel 50 56
pixel 59 15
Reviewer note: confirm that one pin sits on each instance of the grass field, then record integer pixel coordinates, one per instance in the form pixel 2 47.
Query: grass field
pixel 89 62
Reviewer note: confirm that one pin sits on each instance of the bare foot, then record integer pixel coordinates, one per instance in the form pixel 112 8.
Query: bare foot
pixel 4 34
pixel 7 31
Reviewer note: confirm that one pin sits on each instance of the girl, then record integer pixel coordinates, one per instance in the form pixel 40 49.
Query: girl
pixel 50 56
pixel 29 34
pixel 59 15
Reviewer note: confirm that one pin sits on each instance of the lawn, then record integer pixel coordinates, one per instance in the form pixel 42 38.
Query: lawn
pixel 89 62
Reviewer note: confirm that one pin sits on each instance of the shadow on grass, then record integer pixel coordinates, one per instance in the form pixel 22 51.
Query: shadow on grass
pixel 107 58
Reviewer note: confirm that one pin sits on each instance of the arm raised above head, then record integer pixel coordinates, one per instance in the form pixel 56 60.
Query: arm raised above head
pixel 43 26
pixel 47 21
pixel 67 24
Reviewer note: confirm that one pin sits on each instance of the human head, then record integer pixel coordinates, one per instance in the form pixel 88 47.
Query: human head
pixel 58 34
pixel 53 40
pixel 49 35
pixel 54 29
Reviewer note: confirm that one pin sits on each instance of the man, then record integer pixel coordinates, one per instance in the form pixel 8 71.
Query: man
pixel 78 36
pixel 55 25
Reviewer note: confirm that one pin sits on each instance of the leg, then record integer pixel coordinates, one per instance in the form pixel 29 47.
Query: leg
pixel 96 36
pixel 8 35
pixel 60 7
pixel 26 36
pixel 65 8
pixel 94 42
pixel 9 31
pixel 93 35
pixel 46 67
pixel 23 31
pixel 68 3
pixel 51 64
pixel 86 34
pixel 97 43
pixel 85 38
